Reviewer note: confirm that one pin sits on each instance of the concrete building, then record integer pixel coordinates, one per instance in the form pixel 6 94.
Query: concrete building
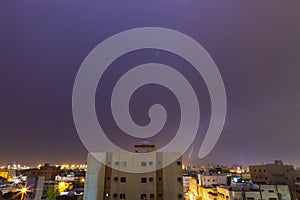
pixel 208 193
pixel 109 179
pixel 193 187
pixel 49 172
pixel 266 192
pixel 212 179
pixel 277 173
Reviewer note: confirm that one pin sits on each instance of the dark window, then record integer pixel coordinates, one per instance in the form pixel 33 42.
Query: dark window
pixel 159 178
pixel 266 178
pixel 143 196
pixel 116 178
pixel 159 195
pixel 143 180
pixel 115 195
pixel 151 179
pixel 151 196
pixel 180 196
pixel 150 163
pixel 179 179
pixel 271 191
pixel 122 196
pixel 108 178
pixel 144 164
pixel 123 179
pixel 117 163
pixel 178 163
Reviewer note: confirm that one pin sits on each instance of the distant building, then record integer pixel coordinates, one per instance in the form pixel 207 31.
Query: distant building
pixel 277 173
pixel 212 179
pixel 109 182
pixel 49 172
pixel 248 192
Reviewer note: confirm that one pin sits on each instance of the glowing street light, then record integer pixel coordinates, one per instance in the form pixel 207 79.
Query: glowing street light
pixel 23 192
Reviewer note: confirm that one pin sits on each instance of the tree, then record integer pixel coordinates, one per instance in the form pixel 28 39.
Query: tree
pixel 51 193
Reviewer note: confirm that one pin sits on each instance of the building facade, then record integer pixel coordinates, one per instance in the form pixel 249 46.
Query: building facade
pixel 110 179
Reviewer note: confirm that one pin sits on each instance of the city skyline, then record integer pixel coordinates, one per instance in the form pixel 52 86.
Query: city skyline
pixel 255 45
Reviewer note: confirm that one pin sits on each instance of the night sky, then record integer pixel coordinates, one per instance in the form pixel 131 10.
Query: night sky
pixel 255 44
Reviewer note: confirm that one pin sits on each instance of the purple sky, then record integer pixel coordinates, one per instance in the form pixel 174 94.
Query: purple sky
pixel 255 44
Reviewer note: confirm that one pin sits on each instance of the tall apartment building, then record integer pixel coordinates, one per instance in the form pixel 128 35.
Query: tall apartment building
pixel 110 179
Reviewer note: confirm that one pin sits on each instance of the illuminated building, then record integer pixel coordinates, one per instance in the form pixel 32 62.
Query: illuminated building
pixel 49 172
pixel 109 181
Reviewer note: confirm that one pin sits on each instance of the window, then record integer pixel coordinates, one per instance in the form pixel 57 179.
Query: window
pixel 271 191
pixel 179 179
pixel 122 196
pixel 152 196
pixel 123 164
pixel 144 164
pixel 143 196
pixel 159 195
pixel 178 163
pixel 123 179
pixel 117 163
pixel 151 179
pixel 143 180
pixel 250 198
pixel 116 178
pixel 159 178
pixel 150 163
pixel 180 196
pixel 115 195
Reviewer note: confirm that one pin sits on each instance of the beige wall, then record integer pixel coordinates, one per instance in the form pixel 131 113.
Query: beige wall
pixel 104 181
